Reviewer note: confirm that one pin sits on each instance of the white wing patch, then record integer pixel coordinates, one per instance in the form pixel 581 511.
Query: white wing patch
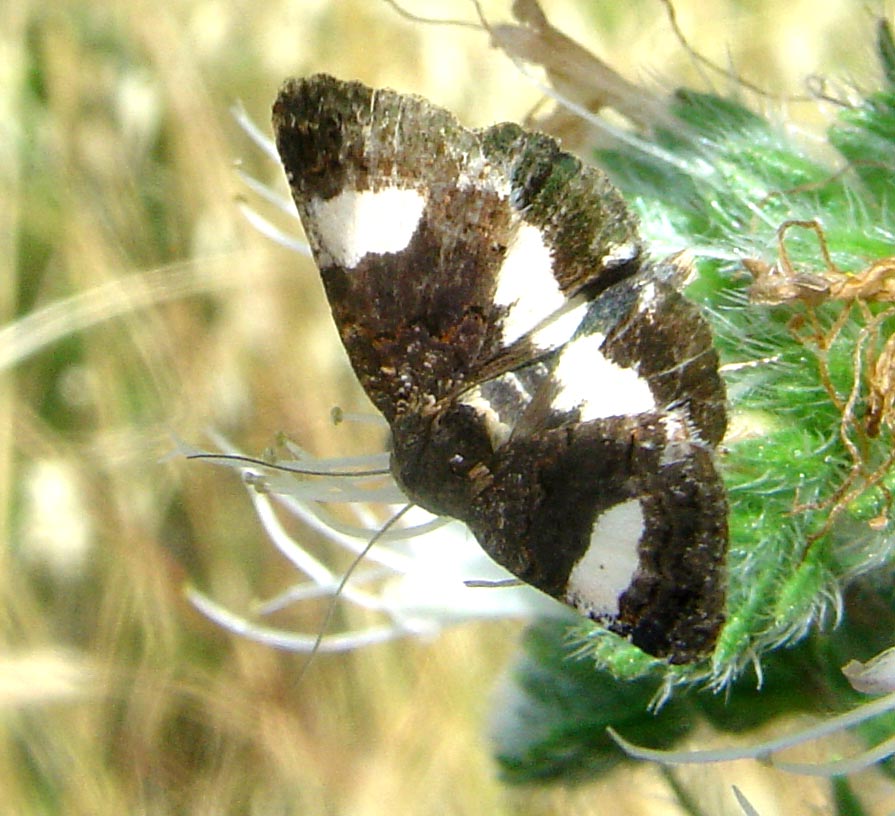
pixel 610 562
pixel 355 223
pixel 526 284
pixel 498 431
pixel 590 382
pixel 680 438
pixel 500 403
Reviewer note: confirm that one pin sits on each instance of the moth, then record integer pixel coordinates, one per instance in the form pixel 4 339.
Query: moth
pixel 544 381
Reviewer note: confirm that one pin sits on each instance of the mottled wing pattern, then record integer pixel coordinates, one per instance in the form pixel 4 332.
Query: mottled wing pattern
pixel 543 382
pixel 457 243
pixel 609 499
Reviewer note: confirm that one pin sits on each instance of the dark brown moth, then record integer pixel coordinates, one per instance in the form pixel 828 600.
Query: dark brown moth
pixel 544 381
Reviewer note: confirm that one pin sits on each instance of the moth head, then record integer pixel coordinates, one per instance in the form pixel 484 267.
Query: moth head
pixel 440 459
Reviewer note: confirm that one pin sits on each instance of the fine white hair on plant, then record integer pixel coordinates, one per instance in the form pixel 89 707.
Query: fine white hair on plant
pixel 424 573
pixel 278 200
pixel 768 750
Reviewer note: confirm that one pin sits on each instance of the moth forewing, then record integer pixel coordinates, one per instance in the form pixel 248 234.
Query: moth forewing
pixel 543 381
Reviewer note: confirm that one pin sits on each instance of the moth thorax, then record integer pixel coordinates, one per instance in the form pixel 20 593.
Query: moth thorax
pixel 440 460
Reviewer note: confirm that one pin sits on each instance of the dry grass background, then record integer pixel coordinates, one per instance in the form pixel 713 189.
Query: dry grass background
pixel 136 301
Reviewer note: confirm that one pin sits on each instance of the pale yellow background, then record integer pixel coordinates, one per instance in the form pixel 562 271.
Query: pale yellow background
pixel 127 700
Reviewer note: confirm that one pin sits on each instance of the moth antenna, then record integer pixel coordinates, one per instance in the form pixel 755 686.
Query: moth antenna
pixel 331 606
pixel 251 460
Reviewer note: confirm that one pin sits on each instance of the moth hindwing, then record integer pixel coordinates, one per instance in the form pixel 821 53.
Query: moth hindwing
pixel 544 382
